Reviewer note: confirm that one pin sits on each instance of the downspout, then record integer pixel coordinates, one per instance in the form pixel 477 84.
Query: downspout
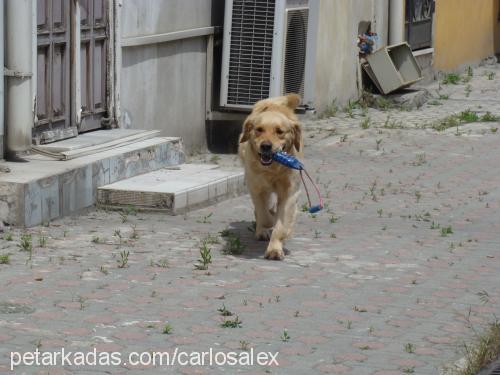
pixel 117 62
pixel 396 21
pixel 19 60
pixel 1 82
pixel 34 62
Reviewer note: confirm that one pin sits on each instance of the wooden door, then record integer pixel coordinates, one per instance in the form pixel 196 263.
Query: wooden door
pixel 53 70
pixel 72 67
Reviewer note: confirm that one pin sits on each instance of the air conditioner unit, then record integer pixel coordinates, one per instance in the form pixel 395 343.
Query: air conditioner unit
pixel 269 49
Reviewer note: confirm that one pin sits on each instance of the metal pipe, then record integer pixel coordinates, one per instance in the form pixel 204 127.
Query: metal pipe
pixel 19 60
pixel 117 60
pixel 396 21
pixel 34 60
pixel 380 22
pixel 1 81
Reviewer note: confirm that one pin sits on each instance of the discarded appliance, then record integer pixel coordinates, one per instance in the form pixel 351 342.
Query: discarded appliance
pixel 392 68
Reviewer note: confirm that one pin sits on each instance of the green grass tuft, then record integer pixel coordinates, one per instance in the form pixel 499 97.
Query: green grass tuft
pixel 482 352
pixel 451 78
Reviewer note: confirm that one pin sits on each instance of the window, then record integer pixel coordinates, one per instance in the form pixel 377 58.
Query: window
pixel 418 25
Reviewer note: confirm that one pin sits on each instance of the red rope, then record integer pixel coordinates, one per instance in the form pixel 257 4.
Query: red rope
pixel 305 188
pixel 315 187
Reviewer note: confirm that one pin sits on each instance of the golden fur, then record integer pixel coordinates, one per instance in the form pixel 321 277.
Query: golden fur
pixel 272 121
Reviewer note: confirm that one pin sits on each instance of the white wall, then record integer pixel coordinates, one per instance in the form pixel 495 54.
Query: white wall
pixel 337 62
pixel 163 84
pixel 163 88
pixel 146 17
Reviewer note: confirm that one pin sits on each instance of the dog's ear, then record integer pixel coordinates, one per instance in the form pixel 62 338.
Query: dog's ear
pixel 246 129
pixel 292 101
pixel 297 136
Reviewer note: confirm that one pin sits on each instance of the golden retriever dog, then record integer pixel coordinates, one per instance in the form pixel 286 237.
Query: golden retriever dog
pixel 272 126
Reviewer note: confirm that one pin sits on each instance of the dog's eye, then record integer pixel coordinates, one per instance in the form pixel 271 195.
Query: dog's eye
pixel 259 130
pixel 279 131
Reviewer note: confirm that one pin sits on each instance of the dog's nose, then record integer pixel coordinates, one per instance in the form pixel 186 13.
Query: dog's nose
pixel 266 147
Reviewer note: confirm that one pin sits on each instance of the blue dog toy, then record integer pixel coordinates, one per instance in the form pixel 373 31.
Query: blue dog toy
pixel 292 162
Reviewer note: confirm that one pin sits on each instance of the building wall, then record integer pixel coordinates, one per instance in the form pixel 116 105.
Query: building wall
pixel 163 84
pixel 337 68
pixel 463 33
pixel 163 88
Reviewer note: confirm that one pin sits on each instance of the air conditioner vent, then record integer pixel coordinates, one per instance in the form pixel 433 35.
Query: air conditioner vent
pixel 268 50
pixel 250 55
pixel 295 51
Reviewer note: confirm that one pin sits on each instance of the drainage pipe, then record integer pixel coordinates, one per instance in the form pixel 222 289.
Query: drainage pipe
pixel 19 65
pixel 396 21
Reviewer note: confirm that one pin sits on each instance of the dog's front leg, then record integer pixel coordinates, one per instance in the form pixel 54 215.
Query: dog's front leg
pixel 287 209
pixel 264 220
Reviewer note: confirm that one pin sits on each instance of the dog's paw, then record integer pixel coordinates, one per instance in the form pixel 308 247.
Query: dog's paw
pixel 274 254
pixel 263 234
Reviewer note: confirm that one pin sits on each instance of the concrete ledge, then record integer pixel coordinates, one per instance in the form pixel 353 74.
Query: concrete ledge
pixel 44 189
pixel 174 190
pixel 425 51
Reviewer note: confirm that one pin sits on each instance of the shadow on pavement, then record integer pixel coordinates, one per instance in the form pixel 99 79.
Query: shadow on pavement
pixel 240 241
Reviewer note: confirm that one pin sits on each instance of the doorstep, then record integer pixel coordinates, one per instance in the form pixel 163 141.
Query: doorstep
pixel 174 190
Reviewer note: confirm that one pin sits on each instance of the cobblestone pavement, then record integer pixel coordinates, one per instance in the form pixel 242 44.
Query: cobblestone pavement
pixel 368 286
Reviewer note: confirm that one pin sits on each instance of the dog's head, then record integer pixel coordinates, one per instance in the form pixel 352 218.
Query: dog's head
pixel 272 126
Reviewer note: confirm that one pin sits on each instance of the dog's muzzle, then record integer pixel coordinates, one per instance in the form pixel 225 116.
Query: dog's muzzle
pixel 266 153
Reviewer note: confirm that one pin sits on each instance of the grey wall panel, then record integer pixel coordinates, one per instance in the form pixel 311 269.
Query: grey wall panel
pixel 163 87
pixel 147 17
pixel 337 70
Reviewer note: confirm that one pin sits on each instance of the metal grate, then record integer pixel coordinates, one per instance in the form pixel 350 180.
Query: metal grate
pixel 295 51
pixel 250 51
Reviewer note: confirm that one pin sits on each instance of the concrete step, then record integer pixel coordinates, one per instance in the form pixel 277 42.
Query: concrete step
pixel 174 190
pixel 99 140
pixel 44 189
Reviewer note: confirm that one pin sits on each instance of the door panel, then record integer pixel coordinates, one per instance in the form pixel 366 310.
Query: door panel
pixel 42 78
pixel 59 100
pixel 58 17
pixel 53 67
pixel 94 60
